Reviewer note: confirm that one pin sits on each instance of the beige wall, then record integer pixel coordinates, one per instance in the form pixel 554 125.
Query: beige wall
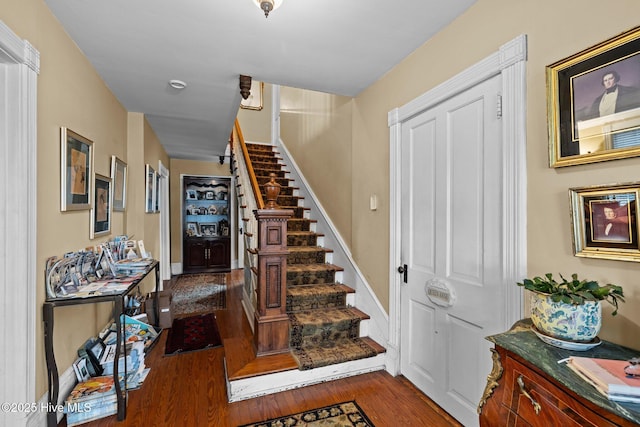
pixel 178 168
pixel 70 94
pixel 256 124
pixel 555 30
pixel 316 129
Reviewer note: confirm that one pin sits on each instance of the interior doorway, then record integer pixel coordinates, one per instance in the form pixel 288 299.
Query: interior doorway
pixel 505 69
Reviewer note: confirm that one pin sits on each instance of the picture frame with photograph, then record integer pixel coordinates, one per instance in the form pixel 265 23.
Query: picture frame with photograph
pixel 605 221
pixel 76 169
pixel 208 229
pixel 192 229
pixel 119 183
pixel 81 370
pixel 593 103
pixel 101 212
pixel 254 100
pixel 150 175
pixel 192 194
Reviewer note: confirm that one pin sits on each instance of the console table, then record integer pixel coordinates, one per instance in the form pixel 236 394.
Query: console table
pixel 527 385
pixel 118 309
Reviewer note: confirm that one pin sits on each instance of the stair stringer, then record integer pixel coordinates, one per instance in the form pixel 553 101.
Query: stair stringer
pixel 377 327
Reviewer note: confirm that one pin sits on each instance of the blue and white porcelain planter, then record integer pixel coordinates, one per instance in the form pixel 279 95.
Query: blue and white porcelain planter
pixel 569 322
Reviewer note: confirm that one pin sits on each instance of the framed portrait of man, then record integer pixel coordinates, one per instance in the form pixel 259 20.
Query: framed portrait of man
pixel 605 221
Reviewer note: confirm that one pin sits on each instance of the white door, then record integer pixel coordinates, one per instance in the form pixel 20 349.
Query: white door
pixel 451 215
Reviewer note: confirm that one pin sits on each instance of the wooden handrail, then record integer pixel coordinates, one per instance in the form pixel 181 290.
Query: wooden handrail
pixel 252 176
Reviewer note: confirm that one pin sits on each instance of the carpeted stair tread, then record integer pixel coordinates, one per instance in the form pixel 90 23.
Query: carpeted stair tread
pixel 342 351
pixel 322 327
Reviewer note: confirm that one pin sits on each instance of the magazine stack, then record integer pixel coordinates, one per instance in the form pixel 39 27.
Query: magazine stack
pixel 90 400
pixel 608 376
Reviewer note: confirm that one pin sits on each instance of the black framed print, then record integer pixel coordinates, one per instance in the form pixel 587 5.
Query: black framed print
pixel 119 183
pixel 101 215
pixel 76 155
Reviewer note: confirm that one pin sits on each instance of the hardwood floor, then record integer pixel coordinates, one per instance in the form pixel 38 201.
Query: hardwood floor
pixel 190 389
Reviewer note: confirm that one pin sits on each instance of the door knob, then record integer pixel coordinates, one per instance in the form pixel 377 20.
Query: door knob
pixel 401 269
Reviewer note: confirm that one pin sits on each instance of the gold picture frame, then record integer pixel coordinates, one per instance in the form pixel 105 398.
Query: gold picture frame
pixel 593 103
pixel 605 221
pixel 119 180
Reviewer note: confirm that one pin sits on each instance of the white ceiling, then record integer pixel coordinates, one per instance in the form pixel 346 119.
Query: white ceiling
pixel 335 46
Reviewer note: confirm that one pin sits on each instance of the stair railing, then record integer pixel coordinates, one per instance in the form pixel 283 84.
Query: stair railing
pixel 268 286
pixel 248 202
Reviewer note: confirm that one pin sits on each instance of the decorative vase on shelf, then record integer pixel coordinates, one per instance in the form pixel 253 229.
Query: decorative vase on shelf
pixel 569 322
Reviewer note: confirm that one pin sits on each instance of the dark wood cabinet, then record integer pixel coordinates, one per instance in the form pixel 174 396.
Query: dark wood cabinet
pixel 206 254
pixel 528 387
pixel 206 223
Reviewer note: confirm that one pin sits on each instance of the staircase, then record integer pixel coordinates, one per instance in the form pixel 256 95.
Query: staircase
pixel 324 326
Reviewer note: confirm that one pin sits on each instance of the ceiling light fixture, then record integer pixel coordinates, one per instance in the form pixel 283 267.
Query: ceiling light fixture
pixel 268 5
pixel 177 84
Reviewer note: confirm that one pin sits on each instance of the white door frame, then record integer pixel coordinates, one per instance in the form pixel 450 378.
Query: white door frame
pixel 510 61
pixel 165 233
pixel 19 68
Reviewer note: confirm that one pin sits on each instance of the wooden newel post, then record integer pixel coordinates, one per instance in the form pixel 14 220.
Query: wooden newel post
pixel 271 323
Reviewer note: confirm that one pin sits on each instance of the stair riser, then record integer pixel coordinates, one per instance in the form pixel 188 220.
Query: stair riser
pixel 299 225
pixel 315 257
pixel 266 172
pixel 323 335
pixel 310 277
pixel 305 240
pixel 332 300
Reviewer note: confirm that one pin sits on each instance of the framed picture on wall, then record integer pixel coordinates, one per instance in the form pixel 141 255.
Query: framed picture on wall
pixel 605 221
pixel 150 189
pixel 76 155
pixel 254 101
pixel 593 103
pixel 119 182
pixel 101 212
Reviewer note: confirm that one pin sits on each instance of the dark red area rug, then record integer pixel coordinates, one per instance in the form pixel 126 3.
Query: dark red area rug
pixel 193 333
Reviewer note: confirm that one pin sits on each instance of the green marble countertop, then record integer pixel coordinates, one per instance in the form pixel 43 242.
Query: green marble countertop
pixel 521 340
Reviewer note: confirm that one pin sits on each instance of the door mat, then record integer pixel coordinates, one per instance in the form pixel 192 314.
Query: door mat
pixel 199 293
pixel 193 333
pixel 345 414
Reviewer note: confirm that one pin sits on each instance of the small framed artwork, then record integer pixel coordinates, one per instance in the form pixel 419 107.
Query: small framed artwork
pixel 101 215
pixel 605 221
pixel 209 229
pixel 119 183
pixel 254 101
pixel 192 229
pixel 150 189
pixel 156 193
pixel 80 368
pixel 593 103
pixel 76 155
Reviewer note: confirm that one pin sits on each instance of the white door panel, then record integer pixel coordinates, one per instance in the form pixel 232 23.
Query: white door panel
pixel 451 238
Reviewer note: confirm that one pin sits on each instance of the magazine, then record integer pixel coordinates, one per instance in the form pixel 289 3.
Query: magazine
pixel 608 377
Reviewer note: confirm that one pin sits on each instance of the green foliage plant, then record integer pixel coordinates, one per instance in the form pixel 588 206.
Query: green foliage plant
pixel 575 291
